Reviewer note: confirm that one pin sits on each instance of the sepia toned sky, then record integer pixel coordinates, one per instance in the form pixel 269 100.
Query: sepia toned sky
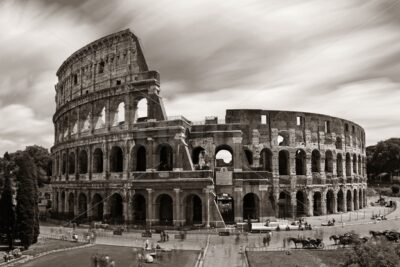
pixel 340 58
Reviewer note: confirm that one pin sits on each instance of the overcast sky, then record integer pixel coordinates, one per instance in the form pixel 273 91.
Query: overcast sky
pixel 339 57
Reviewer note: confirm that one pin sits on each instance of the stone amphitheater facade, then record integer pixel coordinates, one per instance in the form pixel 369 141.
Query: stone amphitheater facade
pixel 118 158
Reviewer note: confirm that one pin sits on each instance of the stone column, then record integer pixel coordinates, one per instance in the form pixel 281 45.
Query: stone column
pixel 88 205
pixel 276 203
pixel 126 150
pixel 355 200
pixel 106 165
pixel 206 207
pixel 125 205
pixel 335 199
pixel 76 151
pixel 149 212
pixel 310 206
pixel 293 204
pixel 76 203
pixel 90 163
pixel 323 202
pixel 237 153
pixel 238 206
pixel 344 199
pixel 106 208
pixel 151 162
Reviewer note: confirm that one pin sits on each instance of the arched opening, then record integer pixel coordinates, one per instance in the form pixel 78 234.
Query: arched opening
pixel 64 164
pixel 82 206
pixel 226 207
pixel 348 165
pixel 101 119
pixel 355 164
pixel 194 210
pixel 83 162
pixel 355 199
pixel 349 201
pixel 63 203
pixel 328 161
pixel 198 157
pixel 116 159
pixel 120 114
pixel 101 67
pixel 166 158
pixel 140 159
pixel 223 156
pixel 360 199
pixel 116 209
pixel 338 143
pixel 283 139
pixel 71 163
pixel 283 162
pixel 165 209
pixel 251 206
pixel 300 204
pixel 284 205
pixel 339 165
pixel 340 201
pixel 301 162
pixel 266 159
pixel 85 121
pixel 71 205
pixel 315 161
pixel 97 207
pixel 330 202
pixel 317 210
pixel 97 161
pixel 139 209
pixel 249 157
pixel 359 165
pixel 141 110
pixel 364 197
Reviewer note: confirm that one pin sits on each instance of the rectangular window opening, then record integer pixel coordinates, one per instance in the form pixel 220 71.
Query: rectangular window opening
pixel 263 119
pixel 299 120
pixel 327 127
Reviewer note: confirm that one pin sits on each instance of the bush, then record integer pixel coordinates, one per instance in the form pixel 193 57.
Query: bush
pixel 395 189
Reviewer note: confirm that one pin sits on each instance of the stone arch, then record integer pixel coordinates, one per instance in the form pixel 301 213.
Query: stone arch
pixel 301 205
pixel 116 159
pixel 98 160
pixel 119 114
pixel 251 206
pixel 284 204
pixel 355 164
pixel 348 165
pixel 84 117
pixel 64 164
pixel 339 165
pixel 301 162
pixel 249 157
pixel 330 202
pixel 266 159
pixel 83 162
pixel 360 199
pixel 142 110
pixel 193 209
pixel 317 207
pixel 82 206
pixel 223 156
pixel 139 209
pixel 116 209
pixel 139 158
pixel 71 205
pixel 71 163
pixel 284 167
pixel 315 161
pixel 328 161
pixel 340 201
pixel 165 153
pixel 100 118
pixel 97 207
pixel 359 165
pixel 198 157
pixel 338 143
pixel 165 210
pixel 349 200
pixel 355 199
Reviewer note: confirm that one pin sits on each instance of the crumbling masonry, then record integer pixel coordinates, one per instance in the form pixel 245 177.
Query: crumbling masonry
pixel 114 162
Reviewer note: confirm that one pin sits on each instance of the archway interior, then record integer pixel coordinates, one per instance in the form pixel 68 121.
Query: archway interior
pixel 98 161
pixel 139 209
pixel 71 163
pixel 193 210
pixel 300 162
pixel 116 159
pixel 315 161
pixel 141 159
pixel 198 158
pixel 83 162
pixel 266 160
pixel 165 212
pixel 116 209
pixel 97 207
pixel 250 207
pixel 339 165
pixel 283 162
pixel 71 206
pixel 284 205
pixel 340 201
pixel 224 156
pixel 300 204
pixel 166 160
pixel 349 201
pixel 82 206
pixel 355 198
pixel 317 204
pixel 330 202
pixel 226 207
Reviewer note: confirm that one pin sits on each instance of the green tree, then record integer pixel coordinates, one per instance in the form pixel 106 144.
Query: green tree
pixel 42 160
pixel 384 157
pixel 27 206
pixel 373 254
pixel 7 210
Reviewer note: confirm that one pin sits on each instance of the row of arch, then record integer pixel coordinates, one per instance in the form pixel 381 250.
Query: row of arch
pixel 111 209
pixel 67 163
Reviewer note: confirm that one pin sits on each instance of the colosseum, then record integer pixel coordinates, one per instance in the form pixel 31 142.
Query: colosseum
pixel 119 158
